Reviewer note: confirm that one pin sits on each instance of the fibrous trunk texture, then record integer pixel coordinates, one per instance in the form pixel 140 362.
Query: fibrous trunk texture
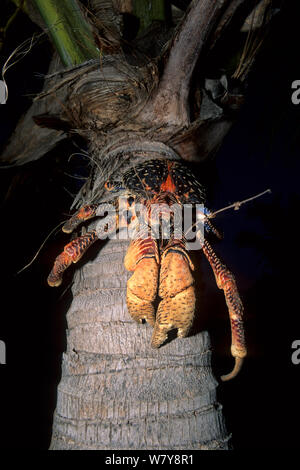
pixel 116 392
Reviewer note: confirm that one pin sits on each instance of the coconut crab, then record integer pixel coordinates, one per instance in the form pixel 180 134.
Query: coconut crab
pixel 160 262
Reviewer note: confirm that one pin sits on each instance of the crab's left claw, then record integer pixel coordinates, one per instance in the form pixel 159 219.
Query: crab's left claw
pixel 177 307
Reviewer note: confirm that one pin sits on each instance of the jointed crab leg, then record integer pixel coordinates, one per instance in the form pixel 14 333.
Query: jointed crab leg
pixel 225 280
pixel 71 254
pixel 84 213
pixel 74 250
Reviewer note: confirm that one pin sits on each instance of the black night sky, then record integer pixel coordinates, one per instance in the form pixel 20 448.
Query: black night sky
pixel 260 245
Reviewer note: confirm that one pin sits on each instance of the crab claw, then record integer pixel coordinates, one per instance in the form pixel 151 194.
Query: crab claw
pixel 177 306
pixel 142 258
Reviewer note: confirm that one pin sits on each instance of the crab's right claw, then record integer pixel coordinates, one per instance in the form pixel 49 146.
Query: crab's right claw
pixel 142 258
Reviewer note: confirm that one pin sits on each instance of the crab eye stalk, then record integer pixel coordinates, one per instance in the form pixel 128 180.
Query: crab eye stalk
pixel 114 186
pixel 109 186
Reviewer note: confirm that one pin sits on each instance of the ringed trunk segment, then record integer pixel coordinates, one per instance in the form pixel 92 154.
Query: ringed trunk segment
pixel 116 392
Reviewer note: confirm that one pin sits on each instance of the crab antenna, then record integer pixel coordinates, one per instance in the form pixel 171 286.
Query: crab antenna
pixel 236 205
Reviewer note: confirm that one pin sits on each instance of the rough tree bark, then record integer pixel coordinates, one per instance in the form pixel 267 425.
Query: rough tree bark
pixel 116 392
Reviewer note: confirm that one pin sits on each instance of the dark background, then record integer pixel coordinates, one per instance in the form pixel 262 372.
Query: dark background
pixel 260 246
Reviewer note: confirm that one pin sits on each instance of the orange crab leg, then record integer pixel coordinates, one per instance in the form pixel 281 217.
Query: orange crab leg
pixel 213 229
pixel 74 250
pixel 84 213
pixel 225 280
pixel 177 307
pixel 142 258
pixel 71 254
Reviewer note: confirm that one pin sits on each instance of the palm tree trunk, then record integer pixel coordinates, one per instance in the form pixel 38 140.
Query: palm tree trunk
pixel 116 392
